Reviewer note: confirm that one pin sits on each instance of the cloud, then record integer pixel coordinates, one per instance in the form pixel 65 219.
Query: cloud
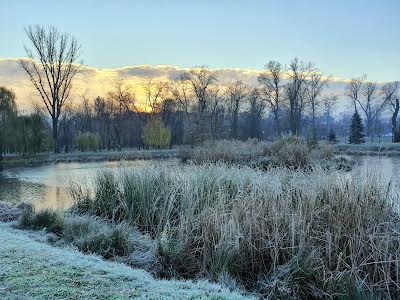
pixel 96 82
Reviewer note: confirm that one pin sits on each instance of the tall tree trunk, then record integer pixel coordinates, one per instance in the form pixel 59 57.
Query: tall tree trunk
pixel 313 123
pixel 278 129
pixel 55 135
pixel 235 127
pixel 395 129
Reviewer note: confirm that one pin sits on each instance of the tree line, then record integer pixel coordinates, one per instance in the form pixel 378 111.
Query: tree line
pixel 191 108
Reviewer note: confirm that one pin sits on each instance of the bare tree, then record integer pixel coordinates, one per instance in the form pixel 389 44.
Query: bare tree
pixel 354 88
pixel 366 95
pixel 256 108
pixel 85 110
pixel 104 112
pixel 217 112
pixel 272 82
pixel 52 65
pixel 369 106
pixel 314 87
pixel 389 91
pixel 201 78
pixel 155 93
pixel 181 93
pixel 236 94
pixel 298 73
pixel 65 125
pixel 328 103
pixel 180 89
pixel 122 100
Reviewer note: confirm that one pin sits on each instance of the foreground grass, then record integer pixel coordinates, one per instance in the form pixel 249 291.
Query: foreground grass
pixel 283 232
pixel 30 269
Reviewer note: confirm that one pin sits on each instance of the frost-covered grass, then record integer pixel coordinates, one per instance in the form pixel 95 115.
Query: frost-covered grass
pixel 288 151
pixel 30 269
pixel 292 233
pixel 228 151
pixel 95 236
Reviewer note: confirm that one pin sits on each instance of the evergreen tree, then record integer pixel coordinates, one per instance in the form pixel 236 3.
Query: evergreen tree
pixel 356 130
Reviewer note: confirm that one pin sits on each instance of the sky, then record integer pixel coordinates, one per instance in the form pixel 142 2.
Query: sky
pixel 343 38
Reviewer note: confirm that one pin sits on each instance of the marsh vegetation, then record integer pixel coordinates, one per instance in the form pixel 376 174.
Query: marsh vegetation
pixel 295 230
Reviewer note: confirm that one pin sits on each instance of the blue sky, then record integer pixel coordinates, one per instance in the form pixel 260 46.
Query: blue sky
pixel 344 38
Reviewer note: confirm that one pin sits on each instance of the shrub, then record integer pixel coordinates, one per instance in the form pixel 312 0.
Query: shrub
pixel 343 163
pixel 45 219
pixel 87 141
pixel 243 222
pixel 291 151
pixel 294 151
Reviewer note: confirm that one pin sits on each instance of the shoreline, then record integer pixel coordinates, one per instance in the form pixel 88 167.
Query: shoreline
pixel 48 158
pixel 375 149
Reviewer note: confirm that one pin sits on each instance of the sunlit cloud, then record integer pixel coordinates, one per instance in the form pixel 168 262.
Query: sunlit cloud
pixel 97 82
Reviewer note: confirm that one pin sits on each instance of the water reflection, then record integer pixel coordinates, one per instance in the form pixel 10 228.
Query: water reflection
pixel 47 186
pixel 387 168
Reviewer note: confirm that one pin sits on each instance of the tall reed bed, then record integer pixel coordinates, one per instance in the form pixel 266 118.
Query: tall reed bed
pixel 285 232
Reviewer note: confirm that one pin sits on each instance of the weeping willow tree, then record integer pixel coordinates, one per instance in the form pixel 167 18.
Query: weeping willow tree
pixel 8 111
pixel 155 134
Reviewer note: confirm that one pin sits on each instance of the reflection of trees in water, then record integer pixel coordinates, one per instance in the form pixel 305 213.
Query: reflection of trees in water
pixel 15 191
pixel 56 198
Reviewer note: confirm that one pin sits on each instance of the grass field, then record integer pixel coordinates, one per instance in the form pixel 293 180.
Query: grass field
pixel 32 269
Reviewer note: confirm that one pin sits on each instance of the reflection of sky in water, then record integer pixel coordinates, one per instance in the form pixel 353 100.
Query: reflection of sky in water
pixel 47 186
pixel 387 168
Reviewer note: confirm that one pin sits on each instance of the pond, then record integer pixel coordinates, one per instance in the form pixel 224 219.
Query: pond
pixel 47 186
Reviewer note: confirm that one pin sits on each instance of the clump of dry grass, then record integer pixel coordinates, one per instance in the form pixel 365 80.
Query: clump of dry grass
pixel 294 151
pixel 288 151
pixel 227 151
pixel 251 225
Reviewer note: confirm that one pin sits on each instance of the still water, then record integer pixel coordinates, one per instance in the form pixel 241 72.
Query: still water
pixel 47 186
